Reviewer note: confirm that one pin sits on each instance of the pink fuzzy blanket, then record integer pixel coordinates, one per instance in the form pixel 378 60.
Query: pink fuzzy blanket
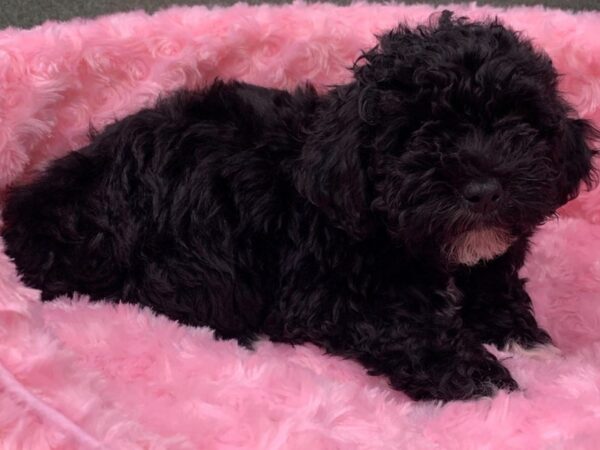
pixel 80 375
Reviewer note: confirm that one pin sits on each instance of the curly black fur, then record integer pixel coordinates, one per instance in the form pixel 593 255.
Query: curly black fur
pixel 340 219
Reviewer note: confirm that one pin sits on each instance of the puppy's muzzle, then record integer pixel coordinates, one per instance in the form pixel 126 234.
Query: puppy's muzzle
pixel 482 196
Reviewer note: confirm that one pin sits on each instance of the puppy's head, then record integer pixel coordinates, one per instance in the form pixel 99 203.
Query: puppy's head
pixel 453 136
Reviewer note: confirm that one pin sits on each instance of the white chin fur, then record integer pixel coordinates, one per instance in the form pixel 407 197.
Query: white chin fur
pixel 479 245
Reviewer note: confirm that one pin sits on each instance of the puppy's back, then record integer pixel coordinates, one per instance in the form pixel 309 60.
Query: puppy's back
pixel 170 207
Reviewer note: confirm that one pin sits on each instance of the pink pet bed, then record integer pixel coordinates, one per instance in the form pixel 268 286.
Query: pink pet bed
pixel 79 375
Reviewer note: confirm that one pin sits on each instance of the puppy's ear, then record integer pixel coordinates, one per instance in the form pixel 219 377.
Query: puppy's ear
pixel 577 154
pixel 332 173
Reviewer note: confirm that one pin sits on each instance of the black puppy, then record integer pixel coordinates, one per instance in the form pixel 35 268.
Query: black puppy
pixel 385 220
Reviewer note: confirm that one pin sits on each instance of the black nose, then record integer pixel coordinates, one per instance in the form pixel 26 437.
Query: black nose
pixel 483 195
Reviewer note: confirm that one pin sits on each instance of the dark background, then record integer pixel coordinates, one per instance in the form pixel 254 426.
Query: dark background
pixel 28 13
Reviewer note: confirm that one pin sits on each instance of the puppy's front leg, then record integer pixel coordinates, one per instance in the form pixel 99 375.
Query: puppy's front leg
pixel 496 306
pixel 441 364
pixel 416 341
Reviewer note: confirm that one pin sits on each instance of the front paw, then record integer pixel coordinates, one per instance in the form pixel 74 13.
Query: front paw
pixel 526 335
pixel 546 352
pixel 526 338
pixel 457 379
